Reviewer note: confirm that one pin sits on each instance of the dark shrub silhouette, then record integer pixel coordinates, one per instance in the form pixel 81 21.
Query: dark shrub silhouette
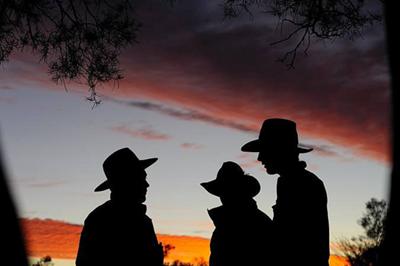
pixel 365 250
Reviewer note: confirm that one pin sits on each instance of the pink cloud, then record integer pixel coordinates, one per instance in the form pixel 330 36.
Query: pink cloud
pixel 143 133
pixel 251 164
pixel 191 146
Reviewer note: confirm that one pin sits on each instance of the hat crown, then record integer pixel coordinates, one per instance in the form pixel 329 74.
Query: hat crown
pixel 229 169
pixel 119 160
pixel 279 132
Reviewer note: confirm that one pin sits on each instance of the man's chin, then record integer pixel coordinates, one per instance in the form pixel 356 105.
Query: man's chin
pixel 270 171
pixel 140 199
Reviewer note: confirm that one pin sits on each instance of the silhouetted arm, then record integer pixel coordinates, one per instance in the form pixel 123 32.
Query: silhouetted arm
pixel 87 252
pixel 316 224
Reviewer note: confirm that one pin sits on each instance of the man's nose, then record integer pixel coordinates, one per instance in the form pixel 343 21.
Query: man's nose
pixel 146 184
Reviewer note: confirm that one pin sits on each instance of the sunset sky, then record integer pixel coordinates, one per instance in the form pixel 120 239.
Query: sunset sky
pixel 196 88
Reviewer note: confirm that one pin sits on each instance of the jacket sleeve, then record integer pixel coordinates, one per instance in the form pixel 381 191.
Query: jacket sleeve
pixel 86 251
pixel 157 253
pixel 317 224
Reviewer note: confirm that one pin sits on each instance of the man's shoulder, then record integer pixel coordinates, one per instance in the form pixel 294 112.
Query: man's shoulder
pixel 100 212
pixel 263 217
pixel 315 185
pixel 312 178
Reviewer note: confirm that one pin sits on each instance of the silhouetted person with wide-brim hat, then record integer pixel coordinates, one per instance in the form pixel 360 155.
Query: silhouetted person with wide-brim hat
pixel 243 233
pixel 119 232
pixel 300 213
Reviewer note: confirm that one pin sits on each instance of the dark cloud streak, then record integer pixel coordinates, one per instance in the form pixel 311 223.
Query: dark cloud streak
pixel 184 114
pixel 46 184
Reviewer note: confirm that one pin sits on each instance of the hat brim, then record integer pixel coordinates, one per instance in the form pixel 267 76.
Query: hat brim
pixel 103 186
pixel 255 146
pixel 216 188
pixel 142 163
pixel 212 187
pixel 147 162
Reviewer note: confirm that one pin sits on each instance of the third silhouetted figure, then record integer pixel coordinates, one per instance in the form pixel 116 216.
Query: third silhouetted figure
pixel 300 212
pixel 243 233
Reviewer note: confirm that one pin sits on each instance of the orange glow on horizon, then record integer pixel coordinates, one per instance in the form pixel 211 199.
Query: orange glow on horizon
pixel 48 237
pixel 60 241
pixel 335 260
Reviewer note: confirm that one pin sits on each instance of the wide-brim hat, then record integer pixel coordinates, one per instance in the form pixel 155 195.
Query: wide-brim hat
pixel 276 134
pixel 119 162
pixel 231 179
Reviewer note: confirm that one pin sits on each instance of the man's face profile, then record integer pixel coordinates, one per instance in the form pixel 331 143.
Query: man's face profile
pixel 135 187
pixel 272 161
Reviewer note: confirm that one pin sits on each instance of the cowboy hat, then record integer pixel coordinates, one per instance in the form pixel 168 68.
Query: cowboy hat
pixel 276 134
pixel 232 179
pixel 119 162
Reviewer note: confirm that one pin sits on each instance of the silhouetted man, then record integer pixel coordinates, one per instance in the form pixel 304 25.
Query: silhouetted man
pixel 242 232
pixel 300 213
pixel 119 232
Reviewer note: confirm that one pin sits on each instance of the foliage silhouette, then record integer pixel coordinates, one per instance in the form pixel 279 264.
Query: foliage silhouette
pixel 44 261
pixel 365 250
pixel 181 263
pixel 307 19
pixel 77 39
pixel 167 249
pixel 82 40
